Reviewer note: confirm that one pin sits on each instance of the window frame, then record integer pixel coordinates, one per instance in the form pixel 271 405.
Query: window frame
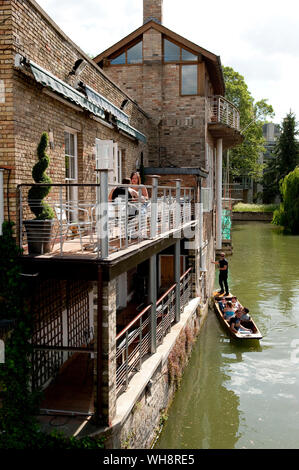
pixel 125 51
pixel 182 63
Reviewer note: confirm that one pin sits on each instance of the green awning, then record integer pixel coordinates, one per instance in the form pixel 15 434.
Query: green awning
pixel 131 131
pixel 94 102
pixel 58 86
pixel 105 104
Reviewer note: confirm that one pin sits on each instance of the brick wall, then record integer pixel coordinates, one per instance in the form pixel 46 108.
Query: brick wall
pixel 179 133
pixel 26 111
pixel 152 9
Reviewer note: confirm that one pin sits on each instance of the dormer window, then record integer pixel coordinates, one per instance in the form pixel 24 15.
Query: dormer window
pixel 131 55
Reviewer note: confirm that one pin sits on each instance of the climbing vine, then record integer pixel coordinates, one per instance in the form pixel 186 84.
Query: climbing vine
pixel 19 428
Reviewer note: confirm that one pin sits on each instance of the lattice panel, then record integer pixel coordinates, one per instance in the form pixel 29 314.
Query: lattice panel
pixel 78 313
pixel 48 307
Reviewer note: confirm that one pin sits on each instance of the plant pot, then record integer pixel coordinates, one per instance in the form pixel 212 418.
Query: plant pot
pixel 39 236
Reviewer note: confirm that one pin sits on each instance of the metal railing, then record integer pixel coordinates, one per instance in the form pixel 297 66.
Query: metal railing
pixel 133 343
pixel 222 111
pixel 88 220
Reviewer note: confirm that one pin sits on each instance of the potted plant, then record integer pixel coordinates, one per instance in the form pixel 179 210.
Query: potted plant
pixel 39 230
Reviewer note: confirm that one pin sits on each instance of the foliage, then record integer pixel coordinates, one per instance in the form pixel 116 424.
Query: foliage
pixel 287 215
pixel 19 428
pixel 36 194
pixel 285 157
pixel 244 159
pixel 242 207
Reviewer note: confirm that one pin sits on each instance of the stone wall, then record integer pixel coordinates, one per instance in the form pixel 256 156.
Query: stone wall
pixel 146 413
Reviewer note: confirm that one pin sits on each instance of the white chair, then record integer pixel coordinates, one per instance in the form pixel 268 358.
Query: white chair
pixel 64 213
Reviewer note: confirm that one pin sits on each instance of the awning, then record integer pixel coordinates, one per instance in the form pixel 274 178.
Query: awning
pixel 94 102
pixel 105 104
pixel 131 131
pixel 58 86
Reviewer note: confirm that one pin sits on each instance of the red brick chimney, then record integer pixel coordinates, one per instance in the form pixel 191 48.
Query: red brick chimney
pixel 152 10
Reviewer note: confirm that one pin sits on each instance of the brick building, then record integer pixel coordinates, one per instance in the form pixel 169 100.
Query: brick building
pixel 118 281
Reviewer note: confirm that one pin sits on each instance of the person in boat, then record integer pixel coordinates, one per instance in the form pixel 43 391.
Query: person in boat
pixel 222 304
pixel 235 323
pixel 236 303
pixel 246 319
pixel 228 311
pixel 223 273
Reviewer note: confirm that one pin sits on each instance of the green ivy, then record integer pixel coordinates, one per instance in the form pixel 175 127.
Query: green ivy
pixel 19 428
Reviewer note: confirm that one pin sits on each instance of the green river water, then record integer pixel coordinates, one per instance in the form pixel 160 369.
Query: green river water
pixel 232 396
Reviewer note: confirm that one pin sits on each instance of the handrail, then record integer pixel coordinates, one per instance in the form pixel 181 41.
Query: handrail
pixel 185 273
pixel 121 333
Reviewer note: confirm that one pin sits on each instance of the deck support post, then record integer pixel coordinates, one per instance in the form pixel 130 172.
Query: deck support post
pixel 177 275
pixel 219 195
pixel 153 301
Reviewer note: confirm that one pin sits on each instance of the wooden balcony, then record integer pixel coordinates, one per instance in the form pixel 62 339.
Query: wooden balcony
pixel 224 121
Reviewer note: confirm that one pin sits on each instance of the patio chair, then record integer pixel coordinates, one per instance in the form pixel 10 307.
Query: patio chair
pixel 64 213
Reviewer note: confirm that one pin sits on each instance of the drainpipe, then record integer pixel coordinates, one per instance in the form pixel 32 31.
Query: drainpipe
pixel 1 200
pixel 219 195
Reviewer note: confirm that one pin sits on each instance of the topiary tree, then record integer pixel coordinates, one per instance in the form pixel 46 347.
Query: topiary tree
pixel 36 194
pixel 287 215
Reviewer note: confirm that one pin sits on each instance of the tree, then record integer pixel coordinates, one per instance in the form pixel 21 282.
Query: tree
pixel 285 157
pixel 244 159
pixel 287 215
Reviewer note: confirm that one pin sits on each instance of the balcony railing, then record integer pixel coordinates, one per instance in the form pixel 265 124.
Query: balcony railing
pixel 86 222
pixel 224 112
pixel 133 342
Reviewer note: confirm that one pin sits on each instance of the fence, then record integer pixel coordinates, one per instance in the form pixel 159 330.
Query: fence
pixel 89 219
pixel 133 342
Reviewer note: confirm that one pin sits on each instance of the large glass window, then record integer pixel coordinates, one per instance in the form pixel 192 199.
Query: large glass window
pixel 189 79
pixel 120 59
pixel 171 51
pixel 176 53
pixel 188 56
pixel 132 55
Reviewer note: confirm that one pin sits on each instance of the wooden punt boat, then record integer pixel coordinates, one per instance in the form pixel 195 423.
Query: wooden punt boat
pixel 241 337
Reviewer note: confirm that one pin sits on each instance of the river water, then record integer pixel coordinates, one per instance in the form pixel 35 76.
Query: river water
pixel 232 396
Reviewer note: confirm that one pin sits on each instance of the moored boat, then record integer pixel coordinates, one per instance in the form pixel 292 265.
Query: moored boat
pixel 244 337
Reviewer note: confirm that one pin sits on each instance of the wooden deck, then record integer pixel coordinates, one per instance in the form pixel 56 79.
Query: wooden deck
pixel 72 389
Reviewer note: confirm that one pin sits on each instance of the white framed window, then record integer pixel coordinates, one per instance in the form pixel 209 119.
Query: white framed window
pixel 71 169
pixel 71 155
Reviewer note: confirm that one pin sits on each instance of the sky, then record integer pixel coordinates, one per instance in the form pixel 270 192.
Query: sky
pixel 259 39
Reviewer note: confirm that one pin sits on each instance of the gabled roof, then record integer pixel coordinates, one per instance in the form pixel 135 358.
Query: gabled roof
pixel 212 61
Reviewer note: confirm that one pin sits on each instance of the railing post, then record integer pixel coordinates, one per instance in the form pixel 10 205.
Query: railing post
pixel 102 214
pixel 177 204
pixel 60 220
pixel 154 211
pixel 153 300
pixel 21 218
pixel 177 270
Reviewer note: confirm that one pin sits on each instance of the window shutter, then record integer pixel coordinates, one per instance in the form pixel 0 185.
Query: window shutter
pixel 104 154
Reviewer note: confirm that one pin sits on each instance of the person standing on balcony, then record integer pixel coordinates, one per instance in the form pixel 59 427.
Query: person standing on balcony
pixel 223 273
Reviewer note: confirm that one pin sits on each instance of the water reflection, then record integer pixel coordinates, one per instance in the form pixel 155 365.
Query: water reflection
pixel 246 397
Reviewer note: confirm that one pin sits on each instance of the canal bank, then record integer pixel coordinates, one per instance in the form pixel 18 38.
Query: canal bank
pixel 232 397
